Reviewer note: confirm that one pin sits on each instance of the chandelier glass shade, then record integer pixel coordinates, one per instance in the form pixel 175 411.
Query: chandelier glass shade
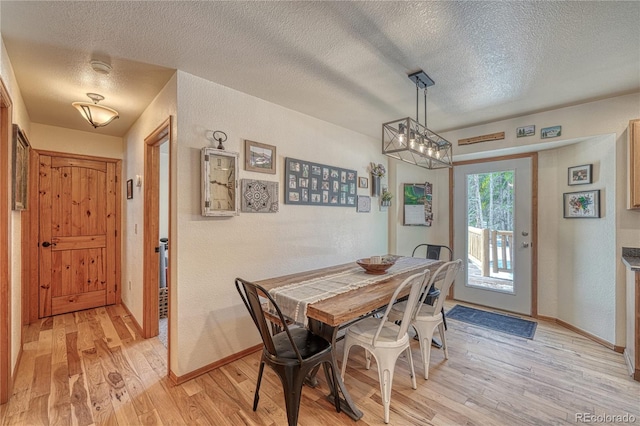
pixel 96 115
pixel 410 141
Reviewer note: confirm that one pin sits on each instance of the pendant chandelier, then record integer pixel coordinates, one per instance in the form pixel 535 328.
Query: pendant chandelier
pixel 407 140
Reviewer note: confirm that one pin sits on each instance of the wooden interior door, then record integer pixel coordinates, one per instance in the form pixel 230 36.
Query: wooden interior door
pixel 77 234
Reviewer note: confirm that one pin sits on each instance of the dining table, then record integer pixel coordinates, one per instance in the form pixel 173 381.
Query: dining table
pixel 329 299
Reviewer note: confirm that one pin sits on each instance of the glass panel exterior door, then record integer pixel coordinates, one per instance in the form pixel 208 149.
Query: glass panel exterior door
pixel 492 225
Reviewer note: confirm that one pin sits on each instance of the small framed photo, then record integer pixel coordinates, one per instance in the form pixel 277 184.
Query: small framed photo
pixel 129 189
pixel 363 182
pixel 525 131
pixel 260 157
pixel 551 132
pixel 583 204
pixel 580 175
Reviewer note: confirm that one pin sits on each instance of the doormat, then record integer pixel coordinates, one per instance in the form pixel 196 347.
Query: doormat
pixel 499 322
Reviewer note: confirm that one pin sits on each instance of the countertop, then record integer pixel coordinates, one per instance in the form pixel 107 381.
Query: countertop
pixel 631 258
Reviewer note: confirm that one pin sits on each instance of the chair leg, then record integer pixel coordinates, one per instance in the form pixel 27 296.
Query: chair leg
pixel 345 356
pixel 292 383
pixel 425 333
pixel 257 395
pixel 443 336
pixel 414 385
pixel 444 319
pixel 386 365
pixel 367 356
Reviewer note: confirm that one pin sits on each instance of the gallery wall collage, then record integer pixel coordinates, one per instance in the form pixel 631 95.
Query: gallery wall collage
pixel 305 183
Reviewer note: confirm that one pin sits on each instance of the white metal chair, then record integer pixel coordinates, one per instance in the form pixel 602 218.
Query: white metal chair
pixel 386 340
pixel 429 317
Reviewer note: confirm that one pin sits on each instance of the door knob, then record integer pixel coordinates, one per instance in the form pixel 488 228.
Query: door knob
pixel 525 233
pixel 525 245
pixel 46 244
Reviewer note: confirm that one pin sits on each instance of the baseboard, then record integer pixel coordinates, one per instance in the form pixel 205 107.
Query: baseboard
pixel 627 360
pixel 15 369
pixel 613 347
pixel 178 380
pixel 133 319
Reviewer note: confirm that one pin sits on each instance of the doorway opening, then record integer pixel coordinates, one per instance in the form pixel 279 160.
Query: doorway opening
pixel 157 220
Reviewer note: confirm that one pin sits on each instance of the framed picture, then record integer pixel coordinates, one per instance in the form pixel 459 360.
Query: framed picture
pixel 583 204
pixel 259 157
pixel 20 169
pixel 525 131
pixel 363 182
pixel 580 175
pixel 551 132
pixel 129 189
pixel 308 183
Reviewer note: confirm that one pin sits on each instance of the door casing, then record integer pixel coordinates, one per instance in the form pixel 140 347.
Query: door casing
pixel 5 254
pixel 152 227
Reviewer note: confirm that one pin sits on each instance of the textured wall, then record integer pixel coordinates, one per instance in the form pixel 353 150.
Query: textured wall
pixel 52 138
pixel 20 117
pixel 211 252
pixel 403 239
pixel 163 106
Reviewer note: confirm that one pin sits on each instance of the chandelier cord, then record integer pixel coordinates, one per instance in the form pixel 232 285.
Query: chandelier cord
pixel 417 97
pixel 425 107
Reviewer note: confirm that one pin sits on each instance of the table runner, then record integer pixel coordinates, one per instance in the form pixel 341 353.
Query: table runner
pixel 293 299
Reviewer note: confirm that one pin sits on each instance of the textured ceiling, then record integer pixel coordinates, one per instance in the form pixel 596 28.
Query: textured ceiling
pixel 343 62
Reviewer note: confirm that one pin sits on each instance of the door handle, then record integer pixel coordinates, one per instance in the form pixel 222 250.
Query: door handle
pixel 525 245
pixel 47 244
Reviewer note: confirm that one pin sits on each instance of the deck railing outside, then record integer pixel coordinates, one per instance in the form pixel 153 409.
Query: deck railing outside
pixel 491 249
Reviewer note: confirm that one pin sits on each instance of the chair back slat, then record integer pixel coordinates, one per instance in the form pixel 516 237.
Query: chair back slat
pixel 250 294
pixel 418 283
pixel 442 279
pixel 433 251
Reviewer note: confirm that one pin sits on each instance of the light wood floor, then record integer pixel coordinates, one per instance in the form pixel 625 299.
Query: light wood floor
pixel 90 368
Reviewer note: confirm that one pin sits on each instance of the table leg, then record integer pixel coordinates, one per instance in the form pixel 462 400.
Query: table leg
pixel 346 403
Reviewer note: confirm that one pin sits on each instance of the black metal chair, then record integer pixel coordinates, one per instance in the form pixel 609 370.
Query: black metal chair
pixel 433 251
pixel 292 353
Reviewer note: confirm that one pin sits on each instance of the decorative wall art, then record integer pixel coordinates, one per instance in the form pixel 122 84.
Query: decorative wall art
pixel 259 157
pixel 525 131
pixel 364 204
pixel 418 207
pixel 584 204
pixel 551 132
pixel 20 168
pixel 129 189
pixel 219 187
pixel 580 175
pixel 259 196
pixel 308 183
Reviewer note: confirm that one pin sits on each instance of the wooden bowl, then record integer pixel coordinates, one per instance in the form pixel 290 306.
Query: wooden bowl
pixel 375 268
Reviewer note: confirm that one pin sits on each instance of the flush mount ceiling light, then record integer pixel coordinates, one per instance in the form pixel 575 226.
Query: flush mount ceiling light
pixel 96 115
pixel 407 140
